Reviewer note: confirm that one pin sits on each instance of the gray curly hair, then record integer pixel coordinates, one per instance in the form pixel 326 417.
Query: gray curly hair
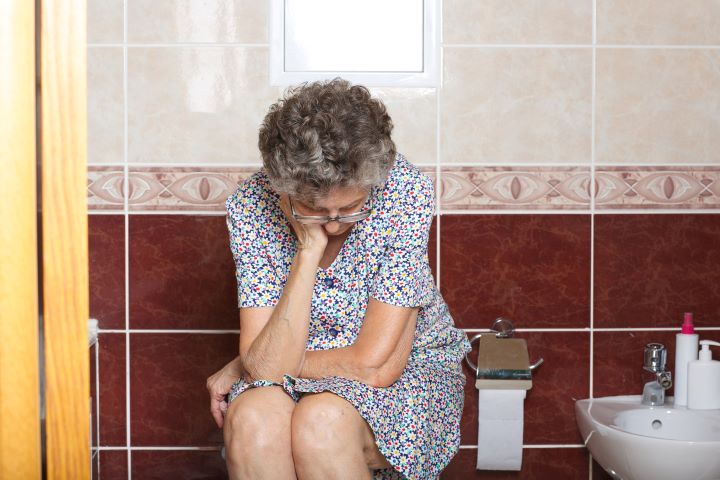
pixel 324 135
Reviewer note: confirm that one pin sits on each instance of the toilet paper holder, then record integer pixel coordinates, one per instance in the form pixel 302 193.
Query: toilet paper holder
pixel 503 328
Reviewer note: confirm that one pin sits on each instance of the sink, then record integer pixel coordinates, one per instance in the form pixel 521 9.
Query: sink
pixel 632 441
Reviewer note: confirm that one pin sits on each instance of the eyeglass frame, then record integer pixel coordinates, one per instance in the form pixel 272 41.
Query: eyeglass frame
pixel 321 220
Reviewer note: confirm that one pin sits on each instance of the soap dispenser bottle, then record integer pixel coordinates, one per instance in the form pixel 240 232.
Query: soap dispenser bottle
pixel 704 380
pixel 686 351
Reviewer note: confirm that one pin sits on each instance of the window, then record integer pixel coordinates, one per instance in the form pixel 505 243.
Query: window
pixel 372 42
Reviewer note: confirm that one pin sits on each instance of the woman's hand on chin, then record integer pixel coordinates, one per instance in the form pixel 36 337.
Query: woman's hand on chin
pixel 311 238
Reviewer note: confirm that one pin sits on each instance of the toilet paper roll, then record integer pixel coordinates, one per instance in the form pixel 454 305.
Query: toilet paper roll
pixel 500 429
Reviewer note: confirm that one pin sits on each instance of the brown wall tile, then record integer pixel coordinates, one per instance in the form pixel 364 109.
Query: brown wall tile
pixel 534 269
pixel 618 359
pixel 649 269
pixel 182 273
pixel 112 389
pixel 113 465
pixel 164 465
pixel 106 257
pixel 549 405
pixel 168 399
pixel 538 464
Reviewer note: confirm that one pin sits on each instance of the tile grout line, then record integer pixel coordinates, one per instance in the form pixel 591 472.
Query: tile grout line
pixel 178 45
pixel 219 447
pixel 126 193
pixel 536 446
pixel 97 398
pixel 583 45
pixel 438 170
pixel 586 211
pixel 495 164
pixel 467 330
pixel 487 211
pixel 443 45
pixel 593 194
pixel 593 166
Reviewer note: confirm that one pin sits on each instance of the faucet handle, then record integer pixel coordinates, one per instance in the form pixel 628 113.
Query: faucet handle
pixel 655 357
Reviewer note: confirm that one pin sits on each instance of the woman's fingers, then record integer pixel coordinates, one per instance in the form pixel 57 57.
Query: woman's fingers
pixel 308 236
pixel 216 411
pixel 219 385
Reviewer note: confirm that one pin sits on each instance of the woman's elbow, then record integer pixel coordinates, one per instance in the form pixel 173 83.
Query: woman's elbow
pixel 384 376
pixel 256 369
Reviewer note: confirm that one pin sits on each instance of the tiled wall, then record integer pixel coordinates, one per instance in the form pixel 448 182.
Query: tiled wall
pixel 542 102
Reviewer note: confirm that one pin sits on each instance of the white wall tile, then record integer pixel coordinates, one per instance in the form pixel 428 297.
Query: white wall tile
pixel 105 105
pixel 197 105
pixel 658 106
pixel 516 105
pixel 517 21
pixel 203 21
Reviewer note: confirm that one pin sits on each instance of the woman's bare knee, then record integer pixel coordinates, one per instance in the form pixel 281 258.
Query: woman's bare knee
pixel 321 417
pixel 258 420
pixel 322 424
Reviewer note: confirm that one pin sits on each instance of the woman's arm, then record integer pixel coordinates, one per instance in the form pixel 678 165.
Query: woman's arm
pixel 279 346
pixel 379 354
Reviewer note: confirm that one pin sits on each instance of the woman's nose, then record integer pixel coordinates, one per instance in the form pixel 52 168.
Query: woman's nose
pixel 332 227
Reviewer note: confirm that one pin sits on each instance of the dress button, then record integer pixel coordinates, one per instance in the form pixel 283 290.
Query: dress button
pixel 329 282
pixel 333 332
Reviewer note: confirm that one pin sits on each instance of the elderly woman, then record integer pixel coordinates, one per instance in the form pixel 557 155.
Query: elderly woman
pixel 349 362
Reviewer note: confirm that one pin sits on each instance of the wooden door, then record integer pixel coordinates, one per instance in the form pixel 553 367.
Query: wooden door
pixel 59 127
pixel 19 373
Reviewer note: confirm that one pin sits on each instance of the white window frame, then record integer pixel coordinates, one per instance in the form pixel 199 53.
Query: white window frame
pixel 428 77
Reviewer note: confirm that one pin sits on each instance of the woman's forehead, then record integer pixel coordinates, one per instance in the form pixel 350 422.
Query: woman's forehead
pixel 338 197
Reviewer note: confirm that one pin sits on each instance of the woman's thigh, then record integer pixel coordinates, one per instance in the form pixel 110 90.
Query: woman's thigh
pixel 325 415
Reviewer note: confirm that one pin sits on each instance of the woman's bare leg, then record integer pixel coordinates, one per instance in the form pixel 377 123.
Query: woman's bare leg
pixel 257 435
pixel 331 440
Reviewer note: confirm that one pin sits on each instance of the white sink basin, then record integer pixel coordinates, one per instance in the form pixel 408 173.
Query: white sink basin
pixel 632 441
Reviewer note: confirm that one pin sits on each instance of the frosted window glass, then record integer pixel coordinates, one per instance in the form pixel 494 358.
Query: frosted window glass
pixel 353 36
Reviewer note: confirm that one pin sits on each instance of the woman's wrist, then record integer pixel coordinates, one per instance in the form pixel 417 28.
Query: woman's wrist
pixel 310 254
pixel 235 366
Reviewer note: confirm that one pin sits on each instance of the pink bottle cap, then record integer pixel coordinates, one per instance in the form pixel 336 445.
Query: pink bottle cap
pixel 687 326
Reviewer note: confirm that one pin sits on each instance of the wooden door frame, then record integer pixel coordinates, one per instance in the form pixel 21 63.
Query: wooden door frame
pixel 63 127
pixel 20 451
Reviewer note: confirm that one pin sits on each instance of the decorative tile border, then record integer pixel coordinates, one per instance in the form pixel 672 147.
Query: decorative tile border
pixel 460 188
pixel 524 188
pixel 183 188
pixel 657 187
pixel 105 188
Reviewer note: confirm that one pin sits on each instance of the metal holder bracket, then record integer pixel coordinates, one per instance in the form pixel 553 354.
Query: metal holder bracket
pixel 501 328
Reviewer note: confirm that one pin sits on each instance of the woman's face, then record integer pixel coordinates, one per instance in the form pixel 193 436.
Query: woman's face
pixel 340 201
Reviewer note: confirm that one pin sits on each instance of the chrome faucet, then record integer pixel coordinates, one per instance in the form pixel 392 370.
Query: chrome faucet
pixel 656 378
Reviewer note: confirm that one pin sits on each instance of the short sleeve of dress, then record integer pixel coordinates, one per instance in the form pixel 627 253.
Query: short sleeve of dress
pixel 404 277
pixel 257 279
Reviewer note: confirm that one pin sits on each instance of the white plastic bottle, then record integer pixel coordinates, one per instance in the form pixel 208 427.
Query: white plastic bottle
pixel 704 380
pixel 686 351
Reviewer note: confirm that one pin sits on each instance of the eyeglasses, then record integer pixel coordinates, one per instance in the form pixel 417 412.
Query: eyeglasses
pixel 313 219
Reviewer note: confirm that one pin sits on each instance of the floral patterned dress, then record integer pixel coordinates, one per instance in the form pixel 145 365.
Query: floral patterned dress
pixel 416 420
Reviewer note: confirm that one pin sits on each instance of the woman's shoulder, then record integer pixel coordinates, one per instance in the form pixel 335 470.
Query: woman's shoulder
pixel 253 195
pixel 407 178
pixel 254 205
pixel 407 184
